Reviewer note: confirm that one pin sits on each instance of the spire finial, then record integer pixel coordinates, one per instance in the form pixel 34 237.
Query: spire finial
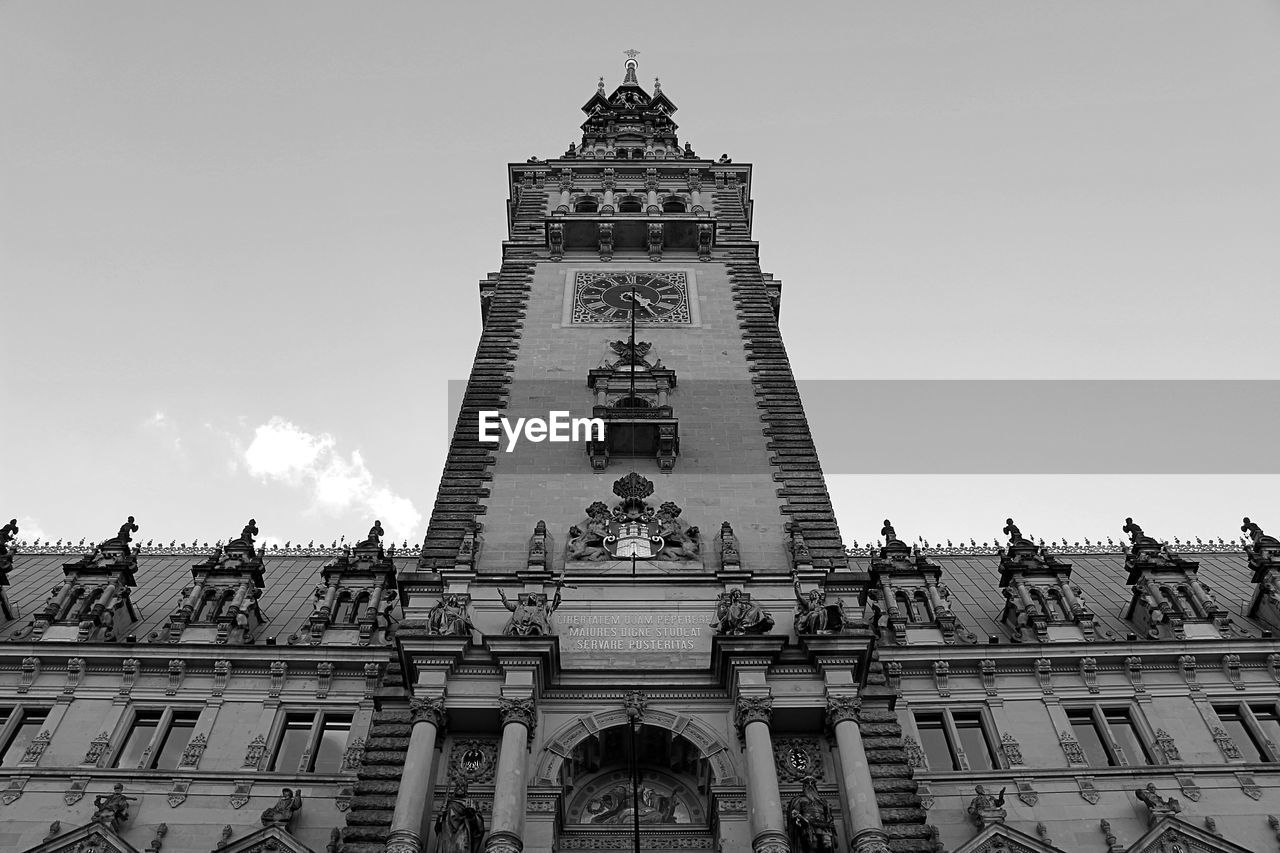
pixel 600 86
pixel 657 86
pixel 631 64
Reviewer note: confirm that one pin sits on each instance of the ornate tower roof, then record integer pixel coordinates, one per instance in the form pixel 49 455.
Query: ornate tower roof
pixel 631 123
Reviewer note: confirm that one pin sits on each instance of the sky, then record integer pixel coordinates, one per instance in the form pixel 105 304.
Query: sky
pixel 239 242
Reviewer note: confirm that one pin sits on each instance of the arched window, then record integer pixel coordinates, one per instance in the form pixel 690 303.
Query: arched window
pixel 586 204
pixel 362 604
pixel 905 606
pixel 632 403
pixel 1187 602
pixel 1056 607
pixel 207 608
pixel 673 205
pixel 72 601
pixel 1172 598
pixel 923 606
pixel 630 204
pixel 344 613
pixel 86 604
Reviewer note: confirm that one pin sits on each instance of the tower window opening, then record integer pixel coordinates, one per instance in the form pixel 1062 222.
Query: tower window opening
pixel 630 204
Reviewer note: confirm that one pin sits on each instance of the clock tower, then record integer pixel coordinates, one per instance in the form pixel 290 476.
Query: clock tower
pixel 647 636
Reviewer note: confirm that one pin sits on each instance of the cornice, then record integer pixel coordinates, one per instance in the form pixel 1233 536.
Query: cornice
pixel 243 658
pixel 1148 650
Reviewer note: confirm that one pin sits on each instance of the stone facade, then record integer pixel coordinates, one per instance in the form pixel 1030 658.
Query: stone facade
pixel 661 634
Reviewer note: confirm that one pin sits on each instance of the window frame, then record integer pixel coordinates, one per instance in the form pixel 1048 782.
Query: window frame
pixel 315 733
pixel 1116 755
pixel 1268 749
pixel 9 729
pixel 960 762
pixel 164 726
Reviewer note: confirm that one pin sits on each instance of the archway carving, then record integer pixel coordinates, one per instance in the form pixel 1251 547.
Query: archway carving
pixel 713 747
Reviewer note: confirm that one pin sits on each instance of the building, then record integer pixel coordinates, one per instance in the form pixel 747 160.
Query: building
pixel 649 635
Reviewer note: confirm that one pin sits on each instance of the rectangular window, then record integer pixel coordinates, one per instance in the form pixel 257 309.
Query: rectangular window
pixel 956 740
pixel 1268 721
pixel 1124 734
pixel 312 742
pixel 30 723
pixel 157 738
pixel 1109 737
pixel 141 733
pixel 175 740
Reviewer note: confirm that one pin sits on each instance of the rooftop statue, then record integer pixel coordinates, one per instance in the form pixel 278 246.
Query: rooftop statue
pixel 1257 537
pixel 9 532
pixel 246 535
pixel 374 539
pixel 1014 534
pixel 890 535
pixel 122 538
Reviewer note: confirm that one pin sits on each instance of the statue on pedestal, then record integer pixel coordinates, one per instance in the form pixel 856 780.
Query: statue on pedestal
pixel 112 809
pixel 449 618
pixel 1157 805
pixel 985 809
pixel 460 826
pixel 530 617
pixel 281 814
pixel 809 823
pixel 736 615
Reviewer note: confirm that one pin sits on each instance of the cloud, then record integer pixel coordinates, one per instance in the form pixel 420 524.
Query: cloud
pixel 281 452
pixel 29 530
pixel 163 426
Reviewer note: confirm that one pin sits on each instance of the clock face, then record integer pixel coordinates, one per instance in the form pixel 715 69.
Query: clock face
pixel 659 298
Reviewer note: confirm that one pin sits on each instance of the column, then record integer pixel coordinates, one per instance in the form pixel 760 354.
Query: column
pixel 859 789
pixel 765 803
pixel 518 721
pixel 411 800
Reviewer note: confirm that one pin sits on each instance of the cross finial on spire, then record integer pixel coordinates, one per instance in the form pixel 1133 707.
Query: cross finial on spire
pixel 600 86
pixel 630 79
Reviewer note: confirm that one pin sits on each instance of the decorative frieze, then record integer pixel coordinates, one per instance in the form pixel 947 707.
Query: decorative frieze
pixel 1012 751
pixel 178 792
pixel 253 755
pixel 279 671
pixel 177 672
pixel 27 674
pixel 97 749
pixel 797 758
pixel 1226 745
pixel 473 760
pixel 221 676
pixel 194 751
pixel 324 679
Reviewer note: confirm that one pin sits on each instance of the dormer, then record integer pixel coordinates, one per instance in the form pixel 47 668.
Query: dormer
pixel 1264 560
pixel 909 586
pixel 221 604
pixel 1042 605
pixel 1167 592
pixel 632 398
pixel 358 587
pixel 92 603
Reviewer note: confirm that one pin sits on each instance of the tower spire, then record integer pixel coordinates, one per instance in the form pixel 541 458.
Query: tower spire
pixel 630 79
